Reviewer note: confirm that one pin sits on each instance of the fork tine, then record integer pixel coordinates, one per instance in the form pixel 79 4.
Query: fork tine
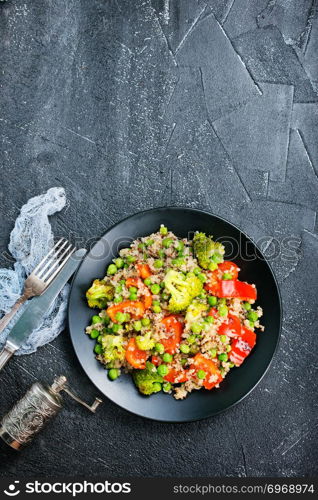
pixel 46 256
pixel 60 267
pixel 52 259
pixel 58 261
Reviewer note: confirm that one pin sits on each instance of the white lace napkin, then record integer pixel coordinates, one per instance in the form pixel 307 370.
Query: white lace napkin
pixel 30 241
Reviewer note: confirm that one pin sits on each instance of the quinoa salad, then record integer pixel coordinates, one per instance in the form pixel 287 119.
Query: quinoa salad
pixel 173 314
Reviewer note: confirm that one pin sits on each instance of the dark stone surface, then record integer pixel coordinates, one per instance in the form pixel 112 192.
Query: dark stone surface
pixel 117 101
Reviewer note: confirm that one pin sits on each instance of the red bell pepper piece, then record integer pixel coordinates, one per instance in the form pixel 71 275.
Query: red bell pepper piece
pixel 135 357
pixel 242 346
pixel 213 374
pixel 174 328
pixel 236 289
pixel 231 326
pixel 176 376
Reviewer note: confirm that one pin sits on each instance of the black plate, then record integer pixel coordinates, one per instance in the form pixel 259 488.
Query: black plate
pixel 240 381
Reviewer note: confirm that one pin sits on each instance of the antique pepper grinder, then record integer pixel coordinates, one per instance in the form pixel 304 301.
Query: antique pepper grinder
pixel 31 413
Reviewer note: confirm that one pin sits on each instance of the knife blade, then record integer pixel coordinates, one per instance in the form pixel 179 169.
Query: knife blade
pixel 32 316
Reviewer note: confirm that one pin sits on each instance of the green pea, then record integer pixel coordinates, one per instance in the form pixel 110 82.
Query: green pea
pixel 223 310
pixel 209 319
pixel 158 263
pixel 247 306
pixel 98 349
pixel 113 373
pixel 147 281
pixel 118 299
pixel 156 309
pixel 130 259
pixel 167 358
pixel 165 296
pixel 96 319
pixel 156 303
pixel 137 326
pixel 252 316
pixel 167 387
pixel 94 334
pixel 213 353
pixel 196 327
pixel 197 271
pixel 149 242
pixel 228 348
pixel 112 269
pixel 191 339
pixel 141 246
pixel 155 289
pixel 162 370
pixel 227 276
pixel 167 242
pixel 179 261
pixel 231 365
pixel 133 296
pixel 120 317
pixel 213 266
pixel 162 284
pixel 201 374
pixel 115 328
pixel 99 339
pixel 156 387
pixel 161 253
pixel 159 348
pixel 251 324
pixel 223 356
pixel 212 300
pixel 223 338
pixel 202 277
pixel 184 348
pixel 163 230
pixel 119 288
pixel 145 321
pixel 179 245
pixel 217 258
pixel 183 361
pixel 119 262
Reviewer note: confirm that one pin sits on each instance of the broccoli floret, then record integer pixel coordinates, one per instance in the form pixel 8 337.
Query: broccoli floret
pixel 113 349
pixel 99 294
pixel 148 381
pixel 145 342
pixel 182 289
pixel 207 251
pixel 194 311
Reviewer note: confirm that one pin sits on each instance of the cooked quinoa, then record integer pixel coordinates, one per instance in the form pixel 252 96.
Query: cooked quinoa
pixel 173 313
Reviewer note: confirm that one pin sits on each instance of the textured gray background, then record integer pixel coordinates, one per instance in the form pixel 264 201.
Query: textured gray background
pixel 199 103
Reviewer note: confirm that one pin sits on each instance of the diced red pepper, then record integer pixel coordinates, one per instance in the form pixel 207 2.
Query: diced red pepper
pixel 136 357
pixel 143 270
pixel 231 326
pixel 174 328
pixel 156 360
pixel 242 346
pixel 236 289
pixel 133 307
pixel 213 312
pixel 213 375
pixel 176 376
pixel 146 295
pixel 229 267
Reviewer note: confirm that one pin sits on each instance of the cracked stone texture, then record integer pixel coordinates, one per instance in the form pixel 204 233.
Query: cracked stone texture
pixel 256 135
pixel 226 82
pixel 270 60
pixel 131 105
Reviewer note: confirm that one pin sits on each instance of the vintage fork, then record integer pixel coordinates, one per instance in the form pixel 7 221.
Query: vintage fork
pixel 41 276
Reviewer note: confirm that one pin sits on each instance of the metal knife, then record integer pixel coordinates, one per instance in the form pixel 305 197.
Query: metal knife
pixel 32 316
